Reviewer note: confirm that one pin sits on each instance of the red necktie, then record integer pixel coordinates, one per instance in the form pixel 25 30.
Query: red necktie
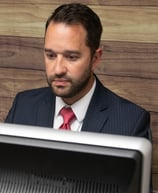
pixel 68 116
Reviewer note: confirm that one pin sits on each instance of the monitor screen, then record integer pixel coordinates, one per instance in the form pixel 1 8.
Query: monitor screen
pixel 37 159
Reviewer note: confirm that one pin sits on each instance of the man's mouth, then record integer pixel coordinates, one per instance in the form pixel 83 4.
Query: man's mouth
pixel 60 82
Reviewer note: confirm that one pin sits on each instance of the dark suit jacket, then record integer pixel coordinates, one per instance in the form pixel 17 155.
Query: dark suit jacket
pixel 107 112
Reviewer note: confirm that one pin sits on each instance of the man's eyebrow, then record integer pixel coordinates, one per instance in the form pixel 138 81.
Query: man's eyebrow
pixel 64 52
pixel 72 52
pixel 48 50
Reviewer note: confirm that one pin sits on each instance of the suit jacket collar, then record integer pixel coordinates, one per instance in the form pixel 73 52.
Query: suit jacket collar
pixel 96 116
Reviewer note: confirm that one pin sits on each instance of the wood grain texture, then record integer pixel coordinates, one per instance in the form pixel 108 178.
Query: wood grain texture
pixel 120 23
pixel 90 2
pixel 129 59
pixel 21 52
pixel 134 59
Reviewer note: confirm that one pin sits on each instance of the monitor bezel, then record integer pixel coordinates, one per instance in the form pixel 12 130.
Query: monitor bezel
pixel 77 141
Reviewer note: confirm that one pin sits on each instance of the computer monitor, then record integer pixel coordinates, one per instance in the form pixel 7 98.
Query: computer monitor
pixel 36 159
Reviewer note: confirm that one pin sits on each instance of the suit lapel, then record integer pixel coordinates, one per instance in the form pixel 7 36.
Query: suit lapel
pixel 97 115
pixel 94 121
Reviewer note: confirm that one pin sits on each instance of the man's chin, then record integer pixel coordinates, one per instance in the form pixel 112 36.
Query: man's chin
pixel 60 92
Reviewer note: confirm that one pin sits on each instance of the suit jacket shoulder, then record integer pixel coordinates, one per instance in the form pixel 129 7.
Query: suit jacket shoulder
pixel 32 107
pixel 110 113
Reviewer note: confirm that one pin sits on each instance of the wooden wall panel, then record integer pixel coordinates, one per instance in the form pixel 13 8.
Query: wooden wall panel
pixel 120 23
pixel 89 2
pixel 125 58
pixel 134 59
pixel 21 52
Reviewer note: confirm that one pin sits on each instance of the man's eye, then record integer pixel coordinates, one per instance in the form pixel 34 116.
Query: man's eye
pixel 51 56
pixel 72 57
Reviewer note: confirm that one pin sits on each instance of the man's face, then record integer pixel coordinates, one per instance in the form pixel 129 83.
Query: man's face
pixel 69 65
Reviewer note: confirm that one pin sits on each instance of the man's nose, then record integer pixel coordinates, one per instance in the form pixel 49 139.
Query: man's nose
pixel 60 65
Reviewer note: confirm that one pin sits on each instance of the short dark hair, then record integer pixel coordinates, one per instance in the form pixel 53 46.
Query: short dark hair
pixel 77 13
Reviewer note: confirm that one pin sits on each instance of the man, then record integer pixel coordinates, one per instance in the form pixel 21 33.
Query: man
pixel 72 52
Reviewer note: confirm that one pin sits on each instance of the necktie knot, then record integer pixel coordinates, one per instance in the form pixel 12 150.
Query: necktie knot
pixel 68 116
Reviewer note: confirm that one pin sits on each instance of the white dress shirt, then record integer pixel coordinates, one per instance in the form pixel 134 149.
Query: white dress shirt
pixel 79 108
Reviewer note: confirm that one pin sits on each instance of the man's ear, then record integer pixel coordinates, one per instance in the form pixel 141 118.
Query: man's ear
pixel 96 58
